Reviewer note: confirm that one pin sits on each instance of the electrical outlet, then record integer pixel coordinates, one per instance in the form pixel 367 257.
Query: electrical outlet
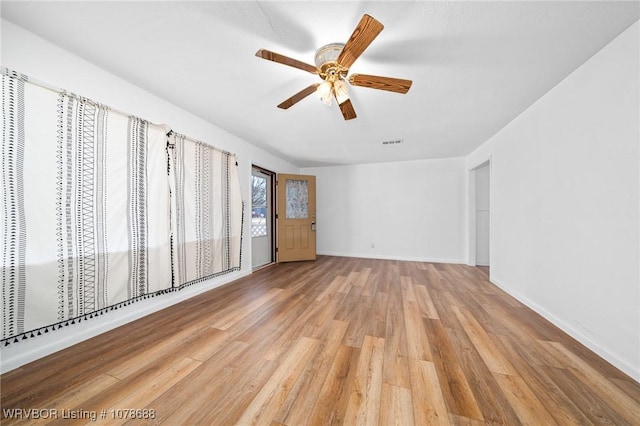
pixel 373 245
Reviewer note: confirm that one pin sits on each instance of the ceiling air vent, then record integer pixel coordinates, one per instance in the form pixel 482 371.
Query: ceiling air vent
pixel 393 142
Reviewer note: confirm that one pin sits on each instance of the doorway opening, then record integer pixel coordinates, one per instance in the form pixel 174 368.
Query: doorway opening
pixel 479 242
pixel 262 217
pixel 482 212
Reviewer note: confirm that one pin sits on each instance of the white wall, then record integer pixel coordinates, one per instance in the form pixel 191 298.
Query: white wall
pixel 565 204
pixel 409 210
pixel 24 52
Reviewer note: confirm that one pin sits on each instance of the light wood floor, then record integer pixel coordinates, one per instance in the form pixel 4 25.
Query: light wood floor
pixel 336 341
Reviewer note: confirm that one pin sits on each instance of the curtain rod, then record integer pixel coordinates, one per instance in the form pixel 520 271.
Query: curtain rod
pixel 14 74
pixel 23 77
pixel 190 139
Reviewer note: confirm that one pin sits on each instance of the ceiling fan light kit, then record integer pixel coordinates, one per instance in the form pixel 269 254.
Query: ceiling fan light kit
pixel 332 74
pixel 332 66
pixel 324 91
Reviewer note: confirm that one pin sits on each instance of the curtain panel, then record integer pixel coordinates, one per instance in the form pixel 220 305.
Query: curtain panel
pixel 206 210
pixel 85 219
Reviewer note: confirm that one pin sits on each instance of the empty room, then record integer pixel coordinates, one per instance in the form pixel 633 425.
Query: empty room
pixel 320 212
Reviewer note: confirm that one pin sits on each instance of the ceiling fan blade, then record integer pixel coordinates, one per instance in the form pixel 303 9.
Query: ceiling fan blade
pixel 347 110
pixel 368 29
pixel 288 103
pixel 276 57
pixel 397 85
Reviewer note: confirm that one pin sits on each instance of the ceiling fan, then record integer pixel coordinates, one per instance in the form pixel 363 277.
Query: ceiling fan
pixel 332 65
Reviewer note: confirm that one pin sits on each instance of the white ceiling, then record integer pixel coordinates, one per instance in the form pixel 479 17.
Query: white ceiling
pixel 475 65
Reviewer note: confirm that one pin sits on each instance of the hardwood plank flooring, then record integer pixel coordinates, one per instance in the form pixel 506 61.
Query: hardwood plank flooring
pixel 335 341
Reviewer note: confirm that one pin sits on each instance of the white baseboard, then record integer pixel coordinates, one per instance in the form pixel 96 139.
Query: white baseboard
pixel 25 351
pixel 624 366
pixel 387 257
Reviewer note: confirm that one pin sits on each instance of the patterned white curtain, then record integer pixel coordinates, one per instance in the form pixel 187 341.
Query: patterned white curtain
pixel 206 210
pixel 85 207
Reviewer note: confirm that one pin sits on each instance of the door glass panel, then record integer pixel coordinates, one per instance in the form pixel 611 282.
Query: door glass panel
pixel 258 206
pixel 297 195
